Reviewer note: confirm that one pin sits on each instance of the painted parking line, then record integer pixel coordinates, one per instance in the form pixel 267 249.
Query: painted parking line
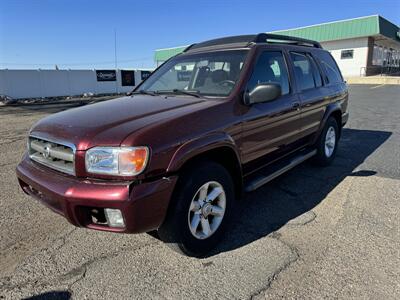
pixel 377 86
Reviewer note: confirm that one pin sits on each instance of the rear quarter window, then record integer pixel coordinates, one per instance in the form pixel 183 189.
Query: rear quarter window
pixel 329 67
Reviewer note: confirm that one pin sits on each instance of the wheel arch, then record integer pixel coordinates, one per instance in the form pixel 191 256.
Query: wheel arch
pixel 219 148
pixel 333 110
pixel 337 114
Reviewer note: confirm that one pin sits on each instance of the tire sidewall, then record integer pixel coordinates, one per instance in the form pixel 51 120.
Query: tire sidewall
pixel 322 158
pixel 189 185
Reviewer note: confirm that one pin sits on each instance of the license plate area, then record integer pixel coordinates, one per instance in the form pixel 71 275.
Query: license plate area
pixel 52 203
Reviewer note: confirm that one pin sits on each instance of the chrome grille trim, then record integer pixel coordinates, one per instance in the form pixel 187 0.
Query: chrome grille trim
pixel 57 155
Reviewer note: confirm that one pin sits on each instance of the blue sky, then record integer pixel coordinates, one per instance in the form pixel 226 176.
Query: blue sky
pixel 79 34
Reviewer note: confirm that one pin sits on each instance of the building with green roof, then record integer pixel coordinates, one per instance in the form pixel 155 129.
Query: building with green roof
pixel 361 46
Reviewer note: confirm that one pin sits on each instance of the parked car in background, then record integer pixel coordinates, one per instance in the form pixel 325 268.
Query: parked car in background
pixel 224 117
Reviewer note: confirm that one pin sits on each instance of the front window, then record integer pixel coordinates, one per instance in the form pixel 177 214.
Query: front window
pixel 208 74
pixel 270 67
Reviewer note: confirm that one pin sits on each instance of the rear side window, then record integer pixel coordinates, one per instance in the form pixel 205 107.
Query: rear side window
pixel 329 67
pixel 316 73
pixel 303 70
pixel 270 67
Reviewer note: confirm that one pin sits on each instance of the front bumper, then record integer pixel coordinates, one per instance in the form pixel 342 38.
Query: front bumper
pixel 144 206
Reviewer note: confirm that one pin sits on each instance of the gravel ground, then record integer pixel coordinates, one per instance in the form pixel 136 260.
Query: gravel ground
pixel 312 233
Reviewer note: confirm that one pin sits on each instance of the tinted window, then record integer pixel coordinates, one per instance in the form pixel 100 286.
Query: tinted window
pixel 316 73
pixel 303 71
pixel 329 67
pixel 270 67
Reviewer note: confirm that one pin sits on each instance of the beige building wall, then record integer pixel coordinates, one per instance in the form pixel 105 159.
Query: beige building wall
pixel 349 66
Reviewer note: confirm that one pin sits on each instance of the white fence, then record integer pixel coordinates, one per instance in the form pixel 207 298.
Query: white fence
pixel 52 83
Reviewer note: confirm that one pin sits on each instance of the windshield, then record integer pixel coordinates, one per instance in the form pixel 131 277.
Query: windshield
pixel 208 74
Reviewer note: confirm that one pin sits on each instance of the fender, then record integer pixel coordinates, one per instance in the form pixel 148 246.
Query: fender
pixel 201 145
pixel 331 108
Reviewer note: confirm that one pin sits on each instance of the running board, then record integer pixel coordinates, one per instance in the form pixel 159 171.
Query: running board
pixel 263 179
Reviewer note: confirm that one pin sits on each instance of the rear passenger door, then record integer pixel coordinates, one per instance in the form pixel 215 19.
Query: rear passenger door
pixel 311 91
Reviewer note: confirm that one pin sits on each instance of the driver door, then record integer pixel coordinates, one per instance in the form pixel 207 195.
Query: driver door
pixel 269 127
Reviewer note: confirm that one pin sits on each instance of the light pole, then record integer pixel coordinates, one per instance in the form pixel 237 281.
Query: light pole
pixel 115 58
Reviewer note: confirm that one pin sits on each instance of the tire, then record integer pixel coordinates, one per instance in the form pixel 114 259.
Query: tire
pixel 327 143
pixel 187 209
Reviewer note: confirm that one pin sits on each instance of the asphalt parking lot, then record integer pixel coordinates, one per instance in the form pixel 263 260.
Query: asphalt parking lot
pixel 312 233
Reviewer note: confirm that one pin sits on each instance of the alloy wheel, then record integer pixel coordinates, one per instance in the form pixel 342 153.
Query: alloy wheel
pixel 330 141
pixel 207 210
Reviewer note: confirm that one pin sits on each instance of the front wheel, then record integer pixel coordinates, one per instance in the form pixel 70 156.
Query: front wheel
pixel 327 143
pixel 201 208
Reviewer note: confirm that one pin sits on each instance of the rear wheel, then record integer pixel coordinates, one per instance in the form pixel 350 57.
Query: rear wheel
pixel 327 143
pixel 201 208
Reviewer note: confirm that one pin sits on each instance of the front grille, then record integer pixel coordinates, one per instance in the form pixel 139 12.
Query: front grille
pixel 57 156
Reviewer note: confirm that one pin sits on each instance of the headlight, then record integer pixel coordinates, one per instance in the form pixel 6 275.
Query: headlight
pixel 122 161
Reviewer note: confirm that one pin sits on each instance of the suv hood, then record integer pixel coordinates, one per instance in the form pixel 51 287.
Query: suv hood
pixel 108 123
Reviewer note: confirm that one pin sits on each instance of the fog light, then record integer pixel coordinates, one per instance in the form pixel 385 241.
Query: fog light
pixel 114 217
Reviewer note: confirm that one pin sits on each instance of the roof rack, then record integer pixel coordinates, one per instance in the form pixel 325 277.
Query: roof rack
pixel 246 40
pixel 277 38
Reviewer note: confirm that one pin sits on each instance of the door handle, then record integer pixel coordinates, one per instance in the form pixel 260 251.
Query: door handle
pixel 296 105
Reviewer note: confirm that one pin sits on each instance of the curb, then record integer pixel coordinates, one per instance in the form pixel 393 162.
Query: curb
pixel 373 80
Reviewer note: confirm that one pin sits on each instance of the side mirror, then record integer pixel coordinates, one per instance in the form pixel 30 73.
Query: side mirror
pixel 263 92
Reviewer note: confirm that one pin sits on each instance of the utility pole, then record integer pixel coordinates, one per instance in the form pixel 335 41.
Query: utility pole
pixel 115 58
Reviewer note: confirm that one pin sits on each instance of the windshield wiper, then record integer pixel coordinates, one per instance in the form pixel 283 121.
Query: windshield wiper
pixel 194 93
pixel 184 92
pixel 143 92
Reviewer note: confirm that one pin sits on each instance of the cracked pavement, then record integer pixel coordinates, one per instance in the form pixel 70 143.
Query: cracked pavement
pixel 311 233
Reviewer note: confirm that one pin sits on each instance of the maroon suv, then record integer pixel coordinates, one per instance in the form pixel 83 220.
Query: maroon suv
pixel 225 116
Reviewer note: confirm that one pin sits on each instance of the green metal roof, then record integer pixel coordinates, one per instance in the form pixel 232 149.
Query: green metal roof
pixel 346 29
pixel 164 54
pixel 338 30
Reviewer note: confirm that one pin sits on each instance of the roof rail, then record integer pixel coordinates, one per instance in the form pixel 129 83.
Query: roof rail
pixel 277 38
pixel 231 40
pixel 188 47
pixel 246 40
